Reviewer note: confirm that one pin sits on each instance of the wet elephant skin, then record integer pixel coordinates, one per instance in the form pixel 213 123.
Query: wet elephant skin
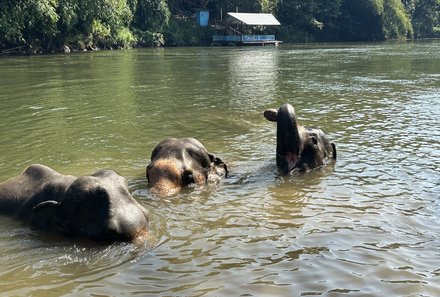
pixel 97 206
pixel 177 163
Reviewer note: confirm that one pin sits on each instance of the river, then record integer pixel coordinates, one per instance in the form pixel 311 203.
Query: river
pixel 367 225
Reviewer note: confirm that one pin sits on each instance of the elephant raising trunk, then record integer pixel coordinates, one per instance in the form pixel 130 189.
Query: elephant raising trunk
pixel 298 147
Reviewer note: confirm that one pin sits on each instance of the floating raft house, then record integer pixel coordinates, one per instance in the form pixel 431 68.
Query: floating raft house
pixel 236 24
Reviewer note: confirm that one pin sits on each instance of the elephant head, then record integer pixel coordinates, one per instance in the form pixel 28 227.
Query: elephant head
pixel 177 163
pixel 298 147
pixel 98 207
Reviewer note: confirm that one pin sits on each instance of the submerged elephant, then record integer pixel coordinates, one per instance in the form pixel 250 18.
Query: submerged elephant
pixel 176 163
pixel 97 206
pixel 298 147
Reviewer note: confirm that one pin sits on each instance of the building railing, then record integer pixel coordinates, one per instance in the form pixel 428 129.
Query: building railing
pixel 242 38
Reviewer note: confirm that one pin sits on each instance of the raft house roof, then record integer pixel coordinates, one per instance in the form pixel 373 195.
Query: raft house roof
pixel 252 19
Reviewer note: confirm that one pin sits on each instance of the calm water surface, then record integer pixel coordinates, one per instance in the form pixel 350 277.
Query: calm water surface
pixel 368 225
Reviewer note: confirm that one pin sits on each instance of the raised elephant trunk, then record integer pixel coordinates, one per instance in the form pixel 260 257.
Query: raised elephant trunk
pixel 298 147
pixel 288 139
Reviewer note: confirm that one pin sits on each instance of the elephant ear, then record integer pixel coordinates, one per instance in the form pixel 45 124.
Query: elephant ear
pixel 219 162
pixel 47 216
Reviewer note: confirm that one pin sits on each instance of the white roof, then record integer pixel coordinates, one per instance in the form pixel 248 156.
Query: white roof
pixel 256 19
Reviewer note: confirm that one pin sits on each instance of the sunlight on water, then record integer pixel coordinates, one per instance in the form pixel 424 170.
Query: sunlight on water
pixel 366 225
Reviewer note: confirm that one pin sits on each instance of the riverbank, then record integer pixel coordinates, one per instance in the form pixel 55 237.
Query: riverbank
pixel 43 26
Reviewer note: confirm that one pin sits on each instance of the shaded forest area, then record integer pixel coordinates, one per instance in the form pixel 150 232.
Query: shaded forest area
pixel 40 26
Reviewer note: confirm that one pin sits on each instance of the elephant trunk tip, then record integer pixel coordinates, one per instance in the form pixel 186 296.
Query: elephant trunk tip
pixel 271 115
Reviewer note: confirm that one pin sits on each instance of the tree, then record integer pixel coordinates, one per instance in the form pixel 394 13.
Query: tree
pixel 361 20
pixel 374 20
pixel 45 25
pixel 309 19
pixel 234 5
pixel 151 15
pixel 91 23
pixel 396 21
pixel 28 22
pixel 11 23
pixel 150 18
pixel 426 18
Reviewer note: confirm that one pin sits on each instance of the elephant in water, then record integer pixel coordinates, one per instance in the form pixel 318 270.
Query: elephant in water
pixel 176 163
pixel 97 206
pixel 298 147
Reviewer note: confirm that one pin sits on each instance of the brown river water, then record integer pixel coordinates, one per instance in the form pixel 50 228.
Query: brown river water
pixel 367 225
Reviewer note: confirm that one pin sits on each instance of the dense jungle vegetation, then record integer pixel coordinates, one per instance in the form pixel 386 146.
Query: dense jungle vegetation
pixel 53 25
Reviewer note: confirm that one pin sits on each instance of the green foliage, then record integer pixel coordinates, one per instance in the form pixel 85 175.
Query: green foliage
pixel 41 18
pixel 396 21
pixel 183 7
pixel 151 15
pixel 148 38
pixel 105 22
pixel 150 18
pixel 426 18
pixel 28 22
pixel 48 25
pixel 360 20
pixel 234 5
pixel 269 6
pixel 101 34
pixel 374 20
pixel 11 24
pixel 124 38
pixel 185 32
pixel 308 20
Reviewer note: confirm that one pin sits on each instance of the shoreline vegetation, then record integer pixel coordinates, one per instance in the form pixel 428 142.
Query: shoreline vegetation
pixel 62 26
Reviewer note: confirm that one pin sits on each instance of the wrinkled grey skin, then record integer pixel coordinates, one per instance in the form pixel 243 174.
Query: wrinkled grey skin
pixel 298 147
pixel 177 163
pixel 97 206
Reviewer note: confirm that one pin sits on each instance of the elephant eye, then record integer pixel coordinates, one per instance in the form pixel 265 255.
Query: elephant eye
pixel 188 177
pixel 314 140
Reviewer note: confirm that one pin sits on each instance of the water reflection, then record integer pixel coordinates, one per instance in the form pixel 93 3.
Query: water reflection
pixel 252 78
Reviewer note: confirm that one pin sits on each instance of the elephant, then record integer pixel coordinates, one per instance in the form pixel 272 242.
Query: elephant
pixel 177 163
pixel 97 206
pixel 298 148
